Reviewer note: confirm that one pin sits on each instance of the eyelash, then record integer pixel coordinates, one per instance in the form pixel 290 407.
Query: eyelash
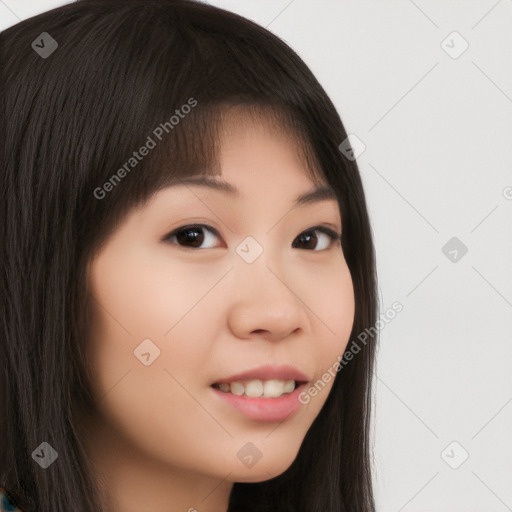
pixel 333 235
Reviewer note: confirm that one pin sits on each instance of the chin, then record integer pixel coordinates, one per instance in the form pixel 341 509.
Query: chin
pixel 260 472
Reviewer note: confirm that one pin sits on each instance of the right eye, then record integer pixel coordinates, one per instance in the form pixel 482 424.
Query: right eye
pixel 192 236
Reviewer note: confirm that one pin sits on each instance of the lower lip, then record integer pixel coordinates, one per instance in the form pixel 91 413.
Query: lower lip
pixel 265 409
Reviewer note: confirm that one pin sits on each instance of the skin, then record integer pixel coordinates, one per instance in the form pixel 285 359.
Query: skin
pixel 161 440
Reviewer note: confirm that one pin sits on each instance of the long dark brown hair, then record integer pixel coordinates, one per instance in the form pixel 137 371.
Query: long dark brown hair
pixel 72 120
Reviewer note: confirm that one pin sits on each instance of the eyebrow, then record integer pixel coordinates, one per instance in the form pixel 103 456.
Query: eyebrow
pixel 314 195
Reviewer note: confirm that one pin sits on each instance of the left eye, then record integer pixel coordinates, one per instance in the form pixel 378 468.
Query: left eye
pixel 192 237
pixel 308 236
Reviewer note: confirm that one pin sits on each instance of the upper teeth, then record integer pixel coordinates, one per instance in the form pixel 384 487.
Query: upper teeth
pixel 272 388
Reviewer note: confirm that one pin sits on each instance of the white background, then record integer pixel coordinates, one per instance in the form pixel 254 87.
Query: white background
pixel 437 165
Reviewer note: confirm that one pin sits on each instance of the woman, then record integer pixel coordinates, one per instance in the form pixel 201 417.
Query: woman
pixel 188 255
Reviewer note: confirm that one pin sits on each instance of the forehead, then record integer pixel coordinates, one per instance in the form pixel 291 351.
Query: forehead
pixel 257 147
pixel 316 193
pixel 260 156
pixel 263 151
pixel 263 127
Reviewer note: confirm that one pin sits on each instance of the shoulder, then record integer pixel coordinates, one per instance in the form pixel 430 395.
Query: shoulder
pixel 6 505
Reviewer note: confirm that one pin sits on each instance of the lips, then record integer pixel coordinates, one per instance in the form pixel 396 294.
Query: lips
pixel 267 372
pixel 261 409
pixel 278 408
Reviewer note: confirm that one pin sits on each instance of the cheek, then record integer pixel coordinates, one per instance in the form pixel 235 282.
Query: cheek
pixel 332 303
pixel 136 299
pixel 140 294
pixel 145 293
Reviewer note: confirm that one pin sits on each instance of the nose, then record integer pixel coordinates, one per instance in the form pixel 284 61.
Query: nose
pixel 263 303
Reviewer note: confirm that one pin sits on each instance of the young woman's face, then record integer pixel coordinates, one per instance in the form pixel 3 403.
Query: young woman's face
pixel 254 285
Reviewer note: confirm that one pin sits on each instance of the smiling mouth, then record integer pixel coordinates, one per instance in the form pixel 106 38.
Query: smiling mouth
pixel 256 388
